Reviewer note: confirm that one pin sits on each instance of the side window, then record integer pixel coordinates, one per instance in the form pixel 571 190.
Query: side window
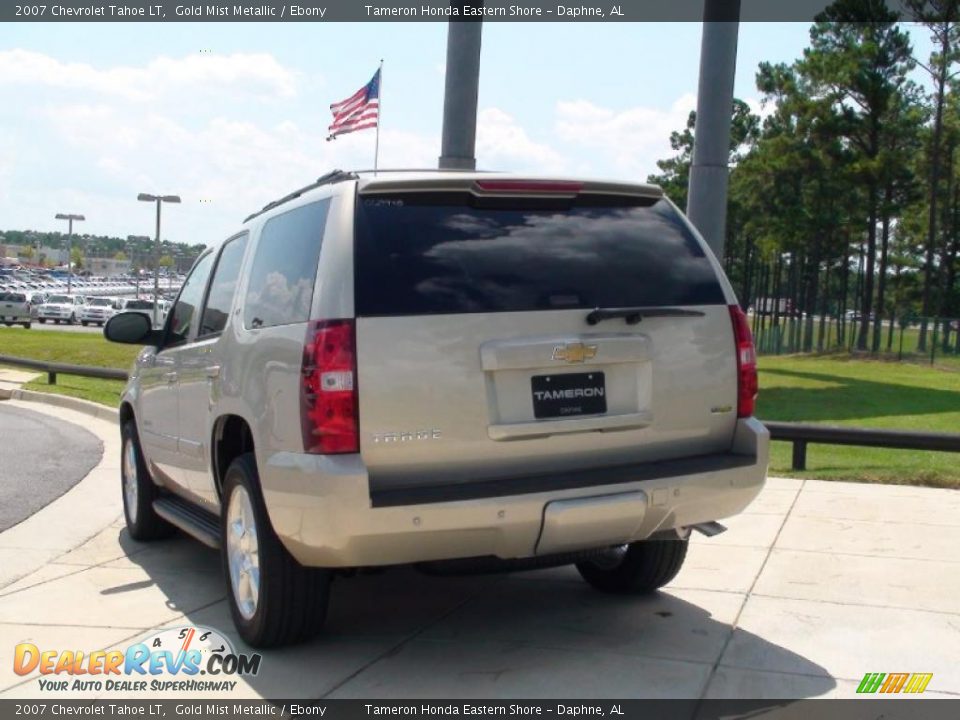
pixel 284 267
pixel 191 294
pixel 222 287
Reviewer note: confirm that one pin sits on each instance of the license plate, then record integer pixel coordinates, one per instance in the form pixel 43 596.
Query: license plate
pixel 569 395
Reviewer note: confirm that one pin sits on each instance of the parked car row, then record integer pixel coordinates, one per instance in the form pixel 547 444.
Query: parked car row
pixel 32 282
pixel 19 308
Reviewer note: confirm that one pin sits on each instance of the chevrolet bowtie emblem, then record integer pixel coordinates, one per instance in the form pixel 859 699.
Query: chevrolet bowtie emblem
pixel 574 352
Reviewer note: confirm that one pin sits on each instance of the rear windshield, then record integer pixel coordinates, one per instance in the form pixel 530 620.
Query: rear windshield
pixel 420 254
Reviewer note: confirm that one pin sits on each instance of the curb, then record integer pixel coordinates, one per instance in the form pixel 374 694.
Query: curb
pixel 87 407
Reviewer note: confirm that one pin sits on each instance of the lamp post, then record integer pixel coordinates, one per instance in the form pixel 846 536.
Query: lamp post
pixel 158 199
pixel 69 217
pixel 133 243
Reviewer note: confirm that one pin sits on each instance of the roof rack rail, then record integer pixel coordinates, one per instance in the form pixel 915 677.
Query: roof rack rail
pixel 334 176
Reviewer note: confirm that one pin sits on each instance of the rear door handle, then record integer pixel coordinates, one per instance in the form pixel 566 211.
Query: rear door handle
pixel 170 377
pixel 213 371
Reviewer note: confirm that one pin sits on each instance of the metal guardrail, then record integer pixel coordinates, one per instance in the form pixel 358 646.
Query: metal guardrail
pixel 52 369
pixel 800 434
pixel 803 434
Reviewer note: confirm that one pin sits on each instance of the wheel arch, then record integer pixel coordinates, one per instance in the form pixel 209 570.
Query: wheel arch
pixel 232 436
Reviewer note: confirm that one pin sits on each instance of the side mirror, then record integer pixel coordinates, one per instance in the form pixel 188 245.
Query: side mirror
pixel 132 328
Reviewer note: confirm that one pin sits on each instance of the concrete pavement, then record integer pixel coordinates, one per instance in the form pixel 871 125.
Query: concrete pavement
pixel 815 585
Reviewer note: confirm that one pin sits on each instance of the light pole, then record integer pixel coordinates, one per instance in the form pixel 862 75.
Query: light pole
pixel 158 199
pixel 69 217
pixel 133 242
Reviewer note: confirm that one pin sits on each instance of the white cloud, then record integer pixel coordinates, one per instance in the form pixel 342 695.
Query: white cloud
pixel 502 144
pixel 258 74
pixel 631 140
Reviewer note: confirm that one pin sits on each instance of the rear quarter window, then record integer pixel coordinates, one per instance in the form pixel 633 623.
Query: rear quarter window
pixel 284 267
pixel 419 254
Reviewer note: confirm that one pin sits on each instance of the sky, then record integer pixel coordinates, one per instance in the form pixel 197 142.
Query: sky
pixel 233 115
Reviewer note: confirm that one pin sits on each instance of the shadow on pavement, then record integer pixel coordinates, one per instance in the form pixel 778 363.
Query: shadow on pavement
pixel 545 634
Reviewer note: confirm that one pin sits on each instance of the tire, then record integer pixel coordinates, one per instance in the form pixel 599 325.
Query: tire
pixel 43 321
pixel 57 321
pixel 84 323
pixel 642 568
pixel 26 326
pixel 139 492
pixel 72 320
pixel 289 604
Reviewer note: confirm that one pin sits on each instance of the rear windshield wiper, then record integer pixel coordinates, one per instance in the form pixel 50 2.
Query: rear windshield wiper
pixel 633 315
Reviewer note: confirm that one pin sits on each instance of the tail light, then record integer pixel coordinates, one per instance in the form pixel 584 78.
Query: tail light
pixel 329 416
pixel 746 363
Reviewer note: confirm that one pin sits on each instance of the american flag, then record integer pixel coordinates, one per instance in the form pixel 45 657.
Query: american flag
pixel 359 111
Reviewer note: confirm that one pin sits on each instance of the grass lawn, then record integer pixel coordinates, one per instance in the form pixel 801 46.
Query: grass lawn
pixel 836 390
pixel 75 348
pixel 105 392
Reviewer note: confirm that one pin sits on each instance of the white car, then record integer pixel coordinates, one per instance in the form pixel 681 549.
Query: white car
pixel 97 311
pixel 61 308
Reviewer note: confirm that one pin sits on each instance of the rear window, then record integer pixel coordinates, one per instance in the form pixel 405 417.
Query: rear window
pixel 420 254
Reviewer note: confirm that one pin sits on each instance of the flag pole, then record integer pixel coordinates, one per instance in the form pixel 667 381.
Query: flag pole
pixel 376 147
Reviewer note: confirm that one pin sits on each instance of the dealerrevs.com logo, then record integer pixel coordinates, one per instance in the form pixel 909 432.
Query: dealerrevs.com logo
pixel 190 659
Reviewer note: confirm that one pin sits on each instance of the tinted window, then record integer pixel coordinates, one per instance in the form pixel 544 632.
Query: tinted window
pixel 284 267
pixel 419 255
pixel 181 317
pixel 222 287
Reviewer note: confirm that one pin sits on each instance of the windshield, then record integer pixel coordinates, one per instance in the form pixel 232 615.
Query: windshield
pixel 138 305
pixel 101 302
pixel 59 299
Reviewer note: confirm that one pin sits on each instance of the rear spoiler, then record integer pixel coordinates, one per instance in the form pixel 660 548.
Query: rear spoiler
pixel 509 187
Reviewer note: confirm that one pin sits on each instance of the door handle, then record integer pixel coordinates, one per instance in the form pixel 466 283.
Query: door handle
pixel 213 372
pixel 170 377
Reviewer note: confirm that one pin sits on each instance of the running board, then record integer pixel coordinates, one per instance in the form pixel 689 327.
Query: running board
pixel 193 520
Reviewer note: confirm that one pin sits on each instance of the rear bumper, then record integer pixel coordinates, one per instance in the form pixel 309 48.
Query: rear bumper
pixel 322 510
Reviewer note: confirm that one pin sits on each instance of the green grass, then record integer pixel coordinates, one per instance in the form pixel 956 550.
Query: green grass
pixel 837 390
pixel 77 348
pixel 105 392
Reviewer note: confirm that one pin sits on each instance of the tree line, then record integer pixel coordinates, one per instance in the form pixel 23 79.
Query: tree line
pixel 844 203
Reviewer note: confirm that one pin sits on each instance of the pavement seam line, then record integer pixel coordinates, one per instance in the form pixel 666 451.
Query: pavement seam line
pixel 746 599
pixel 859 605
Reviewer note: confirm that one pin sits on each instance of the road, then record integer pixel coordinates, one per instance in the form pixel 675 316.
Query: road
pixel 41 458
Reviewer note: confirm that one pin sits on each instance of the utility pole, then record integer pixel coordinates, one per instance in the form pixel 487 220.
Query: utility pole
pixel 69 217
pixel 709 174
pixel 461 88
